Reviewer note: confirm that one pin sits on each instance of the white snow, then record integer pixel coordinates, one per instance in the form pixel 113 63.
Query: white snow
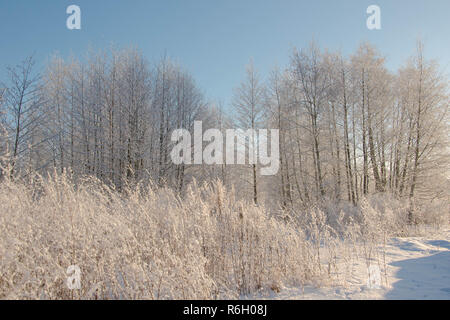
pixel 417 268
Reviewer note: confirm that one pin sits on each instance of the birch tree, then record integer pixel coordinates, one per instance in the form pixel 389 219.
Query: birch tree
pixel 248 102
pixel 23 103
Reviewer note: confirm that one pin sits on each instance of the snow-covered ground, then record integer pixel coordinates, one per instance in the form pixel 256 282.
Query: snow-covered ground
pixel 417 268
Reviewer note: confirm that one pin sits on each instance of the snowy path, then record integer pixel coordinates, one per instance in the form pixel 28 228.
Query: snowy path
pixel 417 268
pixel 425 274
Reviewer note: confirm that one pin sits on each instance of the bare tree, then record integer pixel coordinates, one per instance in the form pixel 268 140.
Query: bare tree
pixel 23 106
pixel 248 103
pixel 312 81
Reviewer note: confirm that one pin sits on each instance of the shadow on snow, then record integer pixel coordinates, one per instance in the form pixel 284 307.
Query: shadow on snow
pixel 423 278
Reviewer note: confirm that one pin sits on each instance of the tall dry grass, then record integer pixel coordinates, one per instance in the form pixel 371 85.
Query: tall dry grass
pixel 144 243
pixel 147 242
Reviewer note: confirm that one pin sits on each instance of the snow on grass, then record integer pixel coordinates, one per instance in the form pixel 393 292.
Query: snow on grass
pixel 417 268
pixel 147 242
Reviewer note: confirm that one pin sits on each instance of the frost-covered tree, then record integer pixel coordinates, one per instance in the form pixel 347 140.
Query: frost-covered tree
pixel 248 102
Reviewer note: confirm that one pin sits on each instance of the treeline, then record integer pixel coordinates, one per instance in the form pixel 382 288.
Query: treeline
pixel 348 126
pixel 110 116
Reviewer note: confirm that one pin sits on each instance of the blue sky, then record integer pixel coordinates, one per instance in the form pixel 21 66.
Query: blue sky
pixel 214 39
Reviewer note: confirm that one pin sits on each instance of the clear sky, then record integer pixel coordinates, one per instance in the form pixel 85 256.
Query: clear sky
pixel 214 39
